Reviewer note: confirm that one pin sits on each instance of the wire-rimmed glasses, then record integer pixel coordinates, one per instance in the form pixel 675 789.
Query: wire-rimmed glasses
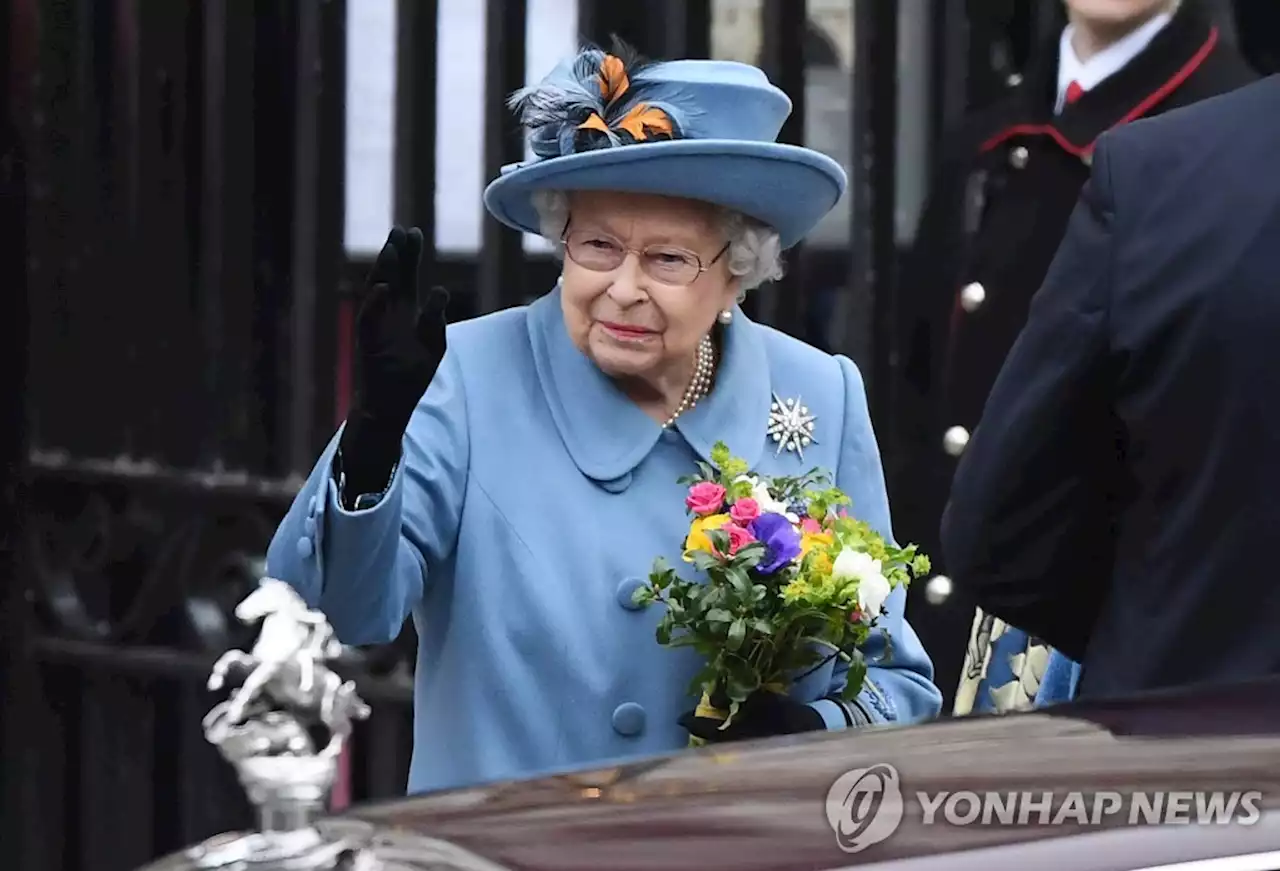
pixel 667 264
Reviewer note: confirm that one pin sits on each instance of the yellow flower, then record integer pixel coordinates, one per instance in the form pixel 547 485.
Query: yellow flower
pixel 810 540
pixel 697 539
pixel 820 566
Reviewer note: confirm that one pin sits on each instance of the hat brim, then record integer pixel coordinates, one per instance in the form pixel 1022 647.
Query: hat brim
pixel 788 187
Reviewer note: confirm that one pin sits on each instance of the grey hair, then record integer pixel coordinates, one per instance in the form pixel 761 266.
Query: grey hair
pixel 755 250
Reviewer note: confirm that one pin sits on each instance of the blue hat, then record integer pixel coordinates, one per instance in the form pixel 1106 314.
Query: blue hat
pixel 697 129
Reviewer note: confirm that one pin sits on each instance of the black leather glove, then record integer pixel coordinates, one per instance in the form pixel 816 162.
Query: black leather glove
pixel 400 341
pixel 763 715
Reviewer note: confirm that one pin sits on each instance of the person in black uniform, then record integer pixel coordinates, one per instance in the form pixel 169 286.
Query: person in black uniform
pixel 998 208
pixel 1119 496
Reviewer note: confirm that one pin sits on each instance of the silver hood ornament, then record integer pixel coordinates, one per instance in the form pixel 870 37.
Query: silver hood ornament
pixel 283 729
pixel 266 728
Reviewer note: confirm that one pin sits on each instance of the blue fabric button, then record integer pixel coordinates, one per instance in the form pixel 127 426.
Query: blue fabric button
pixel 306 547
pixel 628 719
pixel 626 589
pixel 311 507
pixel 617 485
pixel 310 526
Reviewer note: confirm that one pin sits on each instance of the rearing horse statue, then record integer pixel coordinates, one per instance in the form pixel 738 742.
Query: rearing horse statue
pixel 285 667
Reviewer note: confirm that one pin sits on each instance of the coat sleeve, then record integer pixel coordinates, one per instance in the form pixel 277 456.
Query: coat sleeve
pixel 366 569
pixel 1027 529
pixel 899 686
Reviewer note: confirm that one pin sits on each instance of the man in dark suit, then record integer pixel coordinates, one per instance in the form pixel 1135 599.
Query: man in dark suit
pixel 1121 493
pixel 999 205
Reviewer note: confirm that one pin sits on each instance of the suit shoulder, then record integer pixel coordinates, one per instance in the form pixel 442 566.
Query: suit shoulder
pixel 1221 117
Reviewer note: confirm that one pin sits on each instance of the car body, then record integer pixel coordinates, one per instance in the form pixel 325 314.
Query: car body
pixel 763 806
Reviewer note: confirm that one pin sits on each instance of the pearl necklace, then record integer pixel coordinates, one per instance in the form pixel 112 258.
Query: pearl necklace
pixel 700 385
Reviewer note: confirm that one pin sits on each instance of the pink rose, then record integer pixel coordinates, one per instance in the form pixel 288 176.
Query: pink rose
pixel 810 526
pixel 705 498
pixel 738 537
pixel 745 510
pixel 855 616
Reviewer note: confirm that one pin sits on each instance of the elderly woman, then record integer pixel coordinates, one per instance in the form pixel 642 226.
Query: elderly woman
pixel 511 492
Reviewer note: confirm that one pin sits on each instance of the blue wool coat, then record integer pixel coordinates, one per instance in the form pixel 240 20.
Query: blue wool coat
pixel 529 504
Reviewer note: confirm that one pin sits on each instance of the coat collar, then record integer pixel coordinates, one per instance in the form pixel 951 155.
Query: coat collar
pixel 607 435
pixel 1167 61
pixel 1106 63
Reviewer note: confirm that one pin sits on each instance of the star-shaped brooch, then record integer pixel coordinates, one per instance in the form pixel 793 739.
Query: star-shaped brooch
pixel 790 426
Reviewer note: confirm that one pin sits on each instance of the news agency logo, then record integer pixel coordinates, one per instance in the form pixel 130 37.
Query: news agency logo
pixel 865 807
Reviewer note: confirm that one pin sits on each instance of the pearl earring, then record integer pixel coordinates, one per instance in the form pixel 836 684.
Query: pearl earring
pixel 725 317
pixel 559 281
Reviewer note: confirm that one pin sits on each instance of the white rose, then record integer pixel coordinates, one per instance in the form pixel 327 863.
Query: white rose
pixel 873 587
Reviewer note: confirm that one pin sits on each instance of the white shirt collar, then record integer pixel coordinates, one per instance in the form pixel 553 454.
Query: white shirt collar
pixel 1106 63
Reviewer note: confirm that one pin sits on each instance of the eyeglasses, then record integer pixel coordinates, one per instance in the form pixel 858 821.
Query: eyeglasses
pixel 600 252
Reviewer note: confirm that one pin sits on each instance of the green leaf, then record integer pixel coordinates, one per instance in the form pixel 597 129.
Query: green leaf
pixel 719 615
pixel 739 580
pixel 750 555
pixel 737 633
pixel 857 675
pixel 719 540
pixel 705 562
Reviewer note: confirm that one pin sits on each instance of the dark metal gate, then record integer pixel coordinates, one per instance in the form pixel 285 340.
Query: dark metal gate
pixel 177 315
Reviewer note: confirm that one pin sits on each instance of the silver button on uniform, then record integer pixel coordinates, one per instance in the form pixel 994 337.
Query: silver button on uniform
pixel 938 590
pixel 1018 157
pixel 954 440
pixel 972 296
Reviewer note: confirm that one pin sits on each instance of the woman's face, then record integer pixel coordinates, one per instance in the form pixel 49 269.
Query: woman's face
pixel 634 301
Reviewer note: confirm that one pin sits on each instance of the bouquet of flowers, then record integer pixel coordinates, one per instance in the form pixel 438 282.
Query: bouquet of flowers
pixel 789 581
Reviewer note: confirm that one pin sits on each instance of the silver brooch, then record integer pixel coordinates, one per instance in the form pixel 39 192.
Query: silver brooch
pixel 790 426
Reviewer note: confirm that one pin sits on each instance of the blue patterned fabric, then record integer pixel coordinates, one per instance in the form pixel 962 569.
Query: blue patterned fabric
pixel 1061 678
pixel 1008 670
